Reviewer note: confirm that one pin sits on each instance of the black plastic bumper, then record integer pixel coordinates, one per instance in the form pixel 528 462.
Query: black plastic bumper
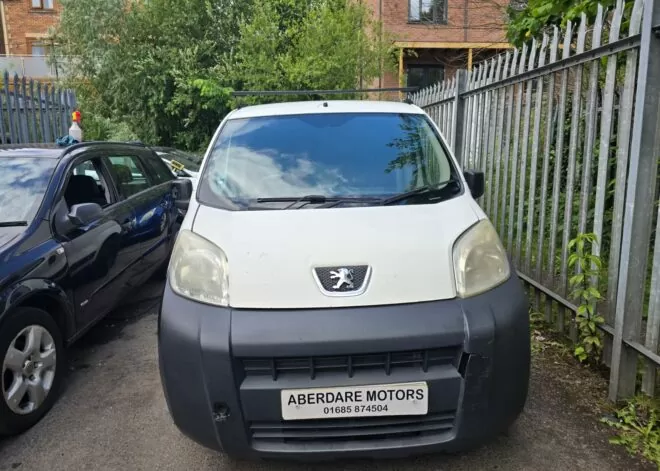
pixel 222 371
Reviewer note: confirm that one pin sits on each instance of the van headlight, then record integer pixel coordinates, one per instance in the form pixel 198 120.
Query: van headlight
pixel 480 261
pixel 198 270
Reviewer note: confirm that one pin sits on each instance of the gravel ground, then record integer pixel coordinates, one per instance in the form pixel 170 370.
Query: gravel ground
pixel 112 416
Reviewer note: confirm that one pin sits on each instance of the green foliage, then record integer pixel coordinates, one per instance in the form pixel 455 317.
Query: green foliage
pixel 585 292
pixel 296 44
pixel 166 68
pixel 99 128
pixel 539 16
pixel 135 62
pixel 536 320
pixel 638 428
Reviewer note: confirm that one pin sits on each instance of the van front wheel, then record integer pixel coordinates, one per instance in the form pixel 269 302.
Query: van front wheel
pixel 31 368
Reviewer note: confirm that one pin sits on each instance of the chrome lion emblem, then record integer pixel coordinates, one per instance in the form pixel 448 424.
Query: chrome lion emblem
pixel 344 276
pixel 347 280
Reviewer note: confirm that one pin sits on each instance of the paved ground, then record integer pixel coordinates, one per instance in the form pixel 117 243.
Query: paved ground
pixel 112 416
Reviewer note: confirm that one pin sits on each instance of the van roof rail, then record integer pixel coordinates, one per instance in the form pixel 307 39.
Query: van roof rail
pixel 321 92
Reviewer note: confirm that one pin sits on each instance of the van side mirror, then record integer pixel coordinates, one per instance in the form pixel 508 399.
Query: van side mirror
pixel 476 182
pixel 83 214
pixel 182 189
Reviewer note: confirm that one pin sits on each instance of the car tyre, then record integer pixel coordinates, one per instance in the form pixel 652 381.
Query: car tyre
pixel 36 343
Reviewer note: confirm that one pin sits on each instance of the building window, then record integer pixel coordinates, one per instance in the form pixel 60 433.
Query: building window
pixel 424 75
pixel 43 4
pixel 38 48
pixel 427 11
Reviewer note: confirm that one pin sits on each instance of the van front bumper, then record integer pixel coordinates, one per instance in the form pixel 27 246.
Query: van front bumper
pixel 222 371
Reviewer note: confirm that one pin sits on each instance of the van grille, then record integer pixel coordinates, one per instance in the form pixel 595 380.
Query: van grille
pixel 420 360
pixel 359 277
pixel 338 430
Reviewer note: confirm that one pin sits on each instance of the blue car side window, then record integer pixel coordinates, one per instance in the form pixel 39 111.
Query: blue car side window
pixel 129 174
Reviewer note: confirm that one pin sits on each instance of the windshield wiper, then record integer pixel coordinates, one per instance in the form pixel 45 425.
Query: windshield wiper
pixel 418 191
pixel 357 199
pixel 312 199
pixel 317 199
pixel 13 223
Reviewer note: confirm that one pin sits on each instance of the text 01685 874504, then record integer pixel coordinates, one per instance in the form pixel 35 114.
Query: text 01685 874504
pixel 355 401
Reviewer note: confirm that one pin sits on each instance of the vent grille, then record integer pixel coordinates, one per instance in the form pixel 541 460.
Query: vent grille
pixel 344 430
pixel 420 360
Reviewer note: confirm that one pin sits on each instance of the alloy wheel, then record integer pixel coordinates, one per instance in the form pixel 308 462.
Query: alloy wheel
pixel 28 369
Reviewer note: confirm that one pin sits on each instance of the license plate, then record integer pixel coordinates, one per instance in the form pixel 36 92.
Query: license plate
pixel 355 401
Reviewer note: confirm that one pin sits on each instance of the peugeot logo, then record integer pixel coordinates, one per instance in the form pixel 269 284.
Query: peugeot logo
pixel 347 280
pixel 344 276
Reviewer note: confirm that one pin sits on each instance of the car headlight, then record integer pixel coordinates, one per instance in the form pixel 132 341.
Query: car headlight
pixel 198 270
pixel 480 261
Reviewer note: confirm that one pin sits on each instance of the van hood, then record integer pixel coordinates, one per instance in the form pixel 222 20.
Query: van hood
pixel 272 254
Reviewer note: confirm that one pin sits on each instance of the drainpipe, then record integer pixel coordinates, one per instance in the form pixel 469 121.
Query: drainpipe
pixel 5 39
pixel 400 72
pixel 380 23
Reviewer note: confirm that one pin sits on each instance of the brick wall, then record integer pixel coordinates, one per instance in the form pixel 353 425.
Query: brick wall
pixel 484 21
pixel 470 23
pixel 25 24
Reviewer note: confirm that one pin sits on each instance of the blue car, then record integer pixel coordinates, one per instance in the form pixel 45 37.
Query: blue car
pixel 80 227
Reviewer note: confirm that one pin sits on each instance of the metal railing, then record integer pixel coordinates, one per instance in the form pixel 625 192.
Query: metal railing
pixel 32 112
pixel 567 131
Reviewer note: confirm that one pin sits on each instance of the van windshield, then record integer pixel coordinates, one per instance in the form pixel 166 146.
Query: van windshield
pixel 366 157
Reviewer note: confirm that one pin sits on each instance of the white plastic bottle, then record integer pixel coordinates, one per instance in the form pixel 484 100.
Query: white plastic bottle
pixel 75 130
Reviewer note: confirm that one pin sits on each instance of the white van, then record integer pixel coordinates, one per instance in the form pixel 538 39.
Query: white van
pixel 336 291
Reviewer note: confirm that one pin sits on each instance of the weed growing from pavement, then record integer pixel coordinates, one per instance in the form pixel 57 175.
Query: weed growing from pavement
pixel 638 427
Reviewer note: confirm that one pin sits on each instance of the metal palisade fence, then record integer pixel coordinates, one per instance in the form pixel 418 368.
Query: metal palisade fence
pixel 567 131
pixel 33 112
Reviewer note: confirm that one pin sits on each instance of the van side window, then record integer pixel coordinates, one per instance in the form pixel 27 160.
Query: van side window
pixel 129 174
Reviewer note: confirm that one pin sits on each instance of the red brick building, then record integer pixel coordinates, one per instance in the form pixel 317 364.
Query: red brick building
pixel 24 26
pixel 435 37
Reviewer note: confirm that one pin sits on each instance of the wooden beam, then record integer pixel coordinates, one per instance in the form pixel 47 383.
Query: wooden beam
pixel 470 59
pixel 450 45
